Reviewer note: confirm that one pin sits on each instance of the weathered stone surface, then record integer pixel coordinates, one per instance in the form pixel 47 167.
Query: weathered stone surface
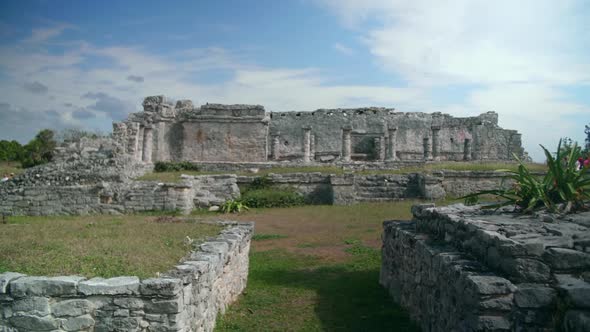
pixel 112 286
pixel 45 286
pixel 78 323
pixel 34 323
pixel 577 290
pixel 567 259
pixel 161 286
pixel 76 307
pixel 5 278
pixel 576 321
pixel 38 306
pixel 534 296
pixel 500 270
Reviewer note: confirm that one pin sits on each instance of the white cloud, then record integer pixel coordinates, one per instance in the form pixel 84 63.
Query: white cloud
pixel 518 54
pixel 343 49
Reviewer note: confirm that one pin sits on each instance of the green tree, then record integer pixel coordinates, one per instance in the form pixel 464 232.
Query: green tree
pixel 10 150
pixel 40 149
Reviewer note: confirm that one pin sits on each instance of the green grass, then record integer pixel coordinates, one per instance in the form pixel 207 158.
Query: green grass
pixel 105 246
pixel 7 167
pixel 322 275
pixel 458 166
pixel 430 167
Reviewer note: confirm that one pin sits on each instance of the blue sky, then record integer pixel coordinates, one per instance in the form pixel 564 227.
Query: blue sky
pixel 85 64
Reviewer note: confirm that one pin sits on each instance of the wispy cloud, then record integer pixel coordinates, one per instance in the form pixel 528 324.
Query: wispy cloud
pixel 343 49
pixel 40 35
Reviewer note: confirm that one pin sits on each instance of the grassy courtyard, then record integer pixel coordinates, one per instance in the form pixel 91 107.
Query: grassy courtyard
pixel 104 246
pixel 316 268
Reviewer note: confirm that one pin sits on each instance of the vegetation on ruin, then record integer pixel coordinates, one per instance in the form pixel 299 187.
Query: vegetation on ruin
pixel 272 197
pixel 174 176
pixel 233 206
pixel 316 268
pixel 563 188
pixel 169 166
pixel 105 246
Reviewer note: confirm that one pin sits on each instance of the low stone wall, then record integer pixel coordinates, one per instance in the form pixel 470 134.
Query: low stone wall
pixel 315 187
pixel 352 188
pixel 188 298
pixel 461 269
pixel 118 197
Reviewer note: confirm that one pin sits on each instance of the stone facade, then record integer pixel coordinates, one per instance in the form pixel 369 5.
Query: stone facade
pixel 246 133
pixel 463 269
pixel 187 298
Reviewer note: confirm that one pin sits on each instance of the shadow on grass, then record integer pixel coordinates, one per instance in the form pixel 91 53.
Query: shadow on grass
pixel 294 293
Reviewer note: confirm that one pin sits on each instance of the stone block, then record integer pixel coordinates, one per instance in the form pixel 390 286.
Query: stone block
pixel 45 286
pixel 5 279
pixel 34 323
pixel 161 286
pixel 576 321
pixel 38 306
pixel 490 285
pixel 576 290
pixel 156 306
pixel 566 259
pixel 534 296
pixel 129 303
pixel 112 286
pixel 78 323
pixel 76 307
pixel 526 270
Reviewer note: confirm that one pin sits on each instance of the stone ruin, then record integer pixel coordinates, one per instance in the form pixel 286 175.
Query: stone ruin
pixel 247 133
pixel 461 268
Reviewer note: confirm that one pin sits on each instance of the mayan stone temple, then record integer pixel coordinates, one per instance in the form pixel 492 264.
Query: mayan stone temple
pixel 247 133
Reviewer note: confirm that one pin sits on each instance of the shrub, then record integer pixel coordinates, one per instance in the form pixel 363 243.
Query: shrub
pixel 259 182
pixel 269 198
pixel 233 206
pixel 564 188
pixel 167 166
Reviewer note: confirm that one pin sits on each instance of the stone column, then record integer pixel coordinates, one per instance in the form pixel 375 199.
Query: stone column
pixel 379 148
pixel 346 143
pixel 275 145
pixel 312 154
pixel 391 141
pixel 467 150
pixel 306 144
pixel 133 139
pixel 146 157
pixel 427 149
pixel 435 142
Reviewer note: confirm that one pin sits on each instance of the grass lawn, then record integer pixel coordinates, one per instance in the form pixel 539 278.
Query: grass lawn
pixel 316 268
pixel 105 246
pixel 426 168
pixel 7 167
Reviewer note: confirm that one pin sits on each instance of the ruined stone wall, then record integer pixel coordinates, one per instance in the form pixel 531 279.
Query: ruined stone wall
pixel 187 298
pixel 459 268
pixel 245 133
pixel 412 136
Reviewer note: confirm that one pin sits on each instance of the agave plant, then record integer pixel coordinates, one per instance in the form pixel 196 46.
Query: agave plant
pixel 564 188
pixel 233 206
